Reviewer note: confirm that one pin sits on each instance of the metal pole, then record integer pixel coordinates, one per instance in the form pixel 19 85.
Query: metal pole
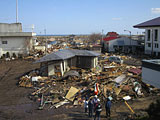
pixel 102 36
pixel 16 11
pixel 130 37
pixel 45 41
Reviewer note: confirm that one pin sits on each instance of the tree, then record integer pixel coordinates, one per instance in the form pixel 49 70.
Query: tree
pixel 94 37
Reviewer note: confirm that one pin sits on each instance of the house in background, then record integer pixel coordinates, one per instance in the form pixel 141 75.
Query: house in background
pixel 114 43
pixel 13 40
pixel 58 63
pixel 151 72
pixel 152 36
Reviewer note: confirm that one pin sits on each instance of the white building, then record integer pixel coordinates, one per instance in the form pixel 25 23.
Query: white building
pixel 120 44
pixel 151 72
pixel 152 36
pixel 13 40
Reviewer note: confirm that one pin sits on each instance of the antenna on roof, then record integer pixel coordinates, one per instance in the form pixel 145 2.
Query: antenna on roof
pixel 16 11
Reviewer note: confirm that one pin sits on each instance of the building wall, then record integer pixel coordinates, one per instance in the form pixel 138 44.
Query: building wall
pixel 62 65
pixel 151 77
pixel 126 41
pixel 151 40
pixel 84 62
pixel 94 62
pixel 14 27
pixel 17 45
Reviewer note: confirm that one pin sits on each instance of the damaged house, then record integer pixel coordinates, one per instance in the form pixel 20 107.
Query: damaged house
pixel 14 41
pixel 58 63
pixel 115 43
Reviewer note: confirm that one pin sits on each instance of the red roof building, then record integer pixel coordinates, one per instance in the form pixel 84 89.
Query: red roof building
pixel 111 36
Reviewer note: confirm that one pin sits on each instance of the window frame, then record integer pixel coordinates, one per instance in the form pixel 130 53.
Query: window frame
pixel 4 42
pixel 156 45
pixel 149 45
pixel 148 35
pixel 156 35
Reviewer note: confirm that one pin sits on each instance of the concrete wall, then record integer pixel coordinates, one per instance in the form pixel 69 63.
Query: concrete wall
pixel 52 69
pixel 17 45
pixel 151 77
pixel 148 50
pixel 14 27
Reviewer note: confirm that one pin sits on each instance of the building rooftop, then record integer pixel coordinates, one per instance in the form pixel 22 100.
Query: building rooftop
pixel 152 64
pixel 109 38
pixel 17 34
pixel 154 61
pixel 66 54
pixel 151 23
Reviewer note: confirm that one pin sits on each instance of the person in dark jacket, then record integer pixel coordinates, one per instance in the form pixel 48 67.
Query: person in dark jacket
pixel 108 107
pixel 90 108
pixel 97 109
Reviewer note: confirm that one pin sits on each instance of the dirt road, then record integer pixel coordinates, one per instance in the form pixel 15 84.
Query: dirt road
pixel 15 105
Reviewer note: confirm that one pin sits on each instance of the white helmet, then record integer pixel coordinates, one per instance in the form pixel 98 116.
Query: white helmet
pixel 98 100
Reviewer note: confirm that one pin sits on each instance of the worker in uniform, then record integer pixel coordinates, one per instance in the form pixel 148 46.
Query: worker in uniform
pixel 90 108
pixel 97 109
pixel 108 107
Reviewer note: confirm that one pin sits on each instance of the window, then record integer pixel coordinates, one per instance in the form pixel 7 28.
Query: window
pixel 156 35
pixel 4 42
pixel 156 45
pixel 148 35
pixel 149 44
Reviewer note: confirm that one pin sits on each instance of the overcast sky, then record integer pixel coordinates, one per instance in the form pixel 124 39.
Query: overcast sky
pixel 80 16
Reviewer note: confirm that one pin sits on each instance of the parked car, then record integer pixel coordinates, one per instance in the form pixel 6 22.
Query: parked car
pixel 115 59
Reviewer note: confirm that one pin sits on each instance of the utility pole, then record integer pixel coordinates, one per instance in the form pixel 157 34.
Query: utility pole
pixel 16 11
pixel 102 47
pixel 102 35
pixel 45 41
pixel 129 35
pixel 130 39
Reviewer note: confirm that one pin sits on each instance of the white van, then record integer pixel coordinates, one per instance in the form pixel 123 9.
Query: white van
pixel 115 59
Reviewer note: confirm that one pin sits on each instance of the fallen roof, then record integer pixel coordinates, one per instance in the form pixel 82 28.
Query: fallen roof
pixel 151 23
pixel 66 54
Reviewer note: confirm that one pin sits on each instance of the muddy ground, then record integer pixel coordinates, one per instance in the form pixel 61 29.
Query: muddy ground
pixel 15 104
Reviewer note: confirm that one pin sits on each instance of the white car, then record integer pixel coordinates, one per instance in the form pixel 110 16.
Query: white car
pixel 115 59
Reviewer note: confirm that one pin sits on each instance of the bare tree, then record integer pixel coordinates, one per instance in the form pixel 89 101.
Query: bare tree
pixel 94 37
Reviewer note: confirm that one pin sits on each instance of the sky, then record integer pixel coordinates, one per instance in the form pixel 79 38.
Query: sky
pixel 80 16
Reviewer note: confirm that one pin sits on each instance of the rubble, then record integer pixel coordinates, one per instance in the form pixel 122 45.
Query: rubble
pixel 114 81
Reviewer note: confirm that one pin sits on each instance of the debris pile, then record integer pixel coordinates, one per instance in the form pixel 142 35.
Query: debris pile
pixel 108 79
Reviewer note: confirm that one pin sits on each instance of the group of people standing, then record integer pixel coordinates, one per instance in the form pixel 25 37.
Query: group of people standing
pixel 94 105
